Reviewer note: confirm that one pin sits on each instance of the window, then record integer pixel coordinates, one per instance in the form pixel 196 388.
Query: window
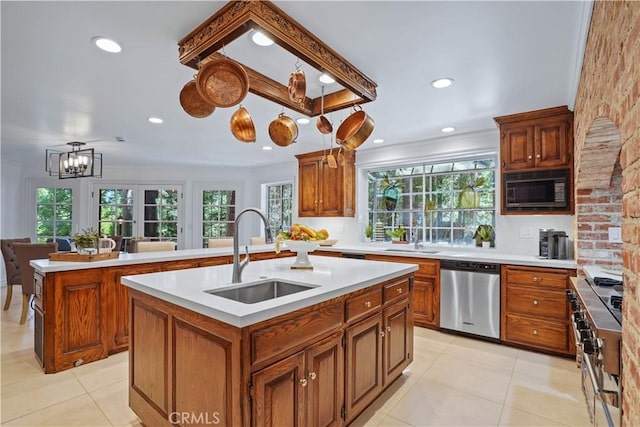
pixel 53 213
pixel 218 214
pixel 442 203
pixel 279 202
pixel 115 212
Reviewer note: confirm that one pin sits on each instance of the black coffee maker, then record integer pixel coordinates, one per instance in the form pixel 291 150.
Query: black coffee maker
pixel 552 244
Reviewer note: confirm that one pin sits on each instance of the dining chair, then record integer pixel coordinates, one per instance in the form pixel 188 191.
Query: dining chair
pixel 219 243
pixel 25 252
pixel 11 267
pixel 156 246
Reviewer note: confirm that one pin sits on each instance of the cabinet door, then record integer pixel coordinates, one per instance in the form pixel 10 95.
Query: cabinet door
pixel 363 367
pixel 426 302
pixel 331 195
pixel 398 329
pixel 308 175
pixel 279 398
pixel 325 374
pixel 552 143
pixel 517 147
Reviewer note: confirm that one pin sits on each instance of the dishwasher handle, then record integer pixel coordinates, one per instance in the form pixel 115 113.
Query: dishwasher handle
pixel 482 267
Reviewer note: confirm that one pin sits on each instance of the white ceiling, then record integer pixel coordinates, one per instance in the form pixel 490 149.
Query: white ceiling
pixel 505 57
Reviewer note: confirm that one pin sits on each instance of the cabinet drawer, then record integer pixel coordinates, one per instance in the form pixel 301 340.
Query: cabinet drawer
pixel 537 333
pixel 37 291
pixel 396 290
pixel 536 302
pixel 363 304
pixel 538 278
pixel 426 268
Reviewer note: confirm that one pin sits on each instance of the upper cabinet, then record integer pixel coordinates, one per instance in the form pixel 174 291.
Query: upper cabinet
pixel 536 140
pixel 323 190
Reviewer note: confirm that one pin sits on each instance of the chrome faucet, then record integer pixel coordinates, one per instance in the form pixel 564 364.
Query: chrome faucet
pixel 418 243
pixel 238 265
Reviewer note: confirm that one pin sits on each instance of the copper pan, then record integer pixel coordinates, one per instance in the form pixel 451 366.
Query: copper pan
pixel 283 131
pixel 323 124
pixel 223 82
pixel 355 130
pixel 195 105
pixel 242 126
pixel 297 86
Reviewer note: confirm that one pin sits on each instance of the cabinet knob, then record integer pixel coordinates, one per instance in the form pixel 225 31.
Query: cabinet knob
pixel 535 278
pixel 312 375
pixel 382 334
pixel 367 304
pixel 535 332
pixel 388 328
pixel 320 201
pixel 303 382
pixel 399 290
pixel 535 302
pixel 315 201
pixel 530 157
pixel 537 156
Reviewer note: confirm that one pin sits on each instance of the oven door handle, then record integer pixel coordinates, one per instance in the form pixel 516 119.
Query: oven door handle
pixel 592 374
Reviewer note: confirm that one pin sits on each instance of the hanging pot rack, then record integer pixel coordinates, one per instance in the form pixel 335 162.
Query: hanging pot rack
pixel 238 17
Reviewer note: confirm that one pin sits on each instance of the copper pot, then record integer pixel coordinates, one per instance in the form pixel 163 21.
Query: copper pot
pixel 223 82
pixel 355 130
pixel 297 86
pixel 323 124
pixel 283 131
pixel 193 104
pixel 242 126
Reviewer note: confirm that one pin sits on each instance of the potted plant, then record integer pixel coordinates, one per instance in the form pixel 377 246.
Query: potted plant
pixel 368 232
pixel 397 235
pixel 485 236
pixel 87 241
pixel 391 190
pixel 469 198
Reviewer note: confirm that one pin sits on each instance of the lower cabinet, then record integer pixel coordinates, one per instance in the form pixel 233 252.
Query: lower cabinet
pixel 426 299
pixel 305 389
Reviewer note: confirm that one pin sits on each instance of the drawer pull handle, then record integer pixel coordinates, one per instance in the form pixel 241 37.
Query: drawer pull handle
pixel 535 278
pixel 399 290
pixel 303 382
pixel 312 375
pixel 535 332
pixel 382 334
pixel 367 304
pixel 388 328
pixel 535 302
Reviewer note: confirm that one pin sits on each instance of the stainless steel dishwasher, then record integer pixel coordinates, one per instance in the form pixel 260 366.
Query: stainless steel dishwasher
pixel 470 297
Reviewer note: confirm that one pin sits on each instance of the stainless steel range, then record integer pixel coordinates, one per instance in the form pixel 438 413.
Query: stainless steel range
pixel 596 303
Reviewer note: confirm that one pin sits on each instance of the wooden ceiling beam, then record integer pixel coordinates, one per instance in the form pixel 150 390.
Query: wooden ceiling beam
pixel 237 17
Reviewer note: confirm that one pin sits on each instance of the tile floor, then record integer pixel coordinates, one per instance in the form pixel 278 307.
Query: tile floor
pixel 453 381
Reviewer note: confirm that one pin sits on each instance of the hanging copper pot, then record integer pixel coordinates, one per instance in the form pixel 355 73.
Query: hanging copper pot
pixel 242 126
pixel 323 124
pixel 194 104
pixel 223 82
pixel 297 86
pixel 283 131
pixel 355 129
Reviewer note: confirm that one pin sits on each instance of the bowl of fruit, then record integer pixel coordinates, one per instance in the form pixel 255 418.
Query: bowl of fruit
pixel 302 240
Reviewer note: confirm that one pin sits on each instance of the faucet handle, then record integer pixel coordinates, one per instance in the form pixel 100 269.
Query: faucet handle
pixel 246 259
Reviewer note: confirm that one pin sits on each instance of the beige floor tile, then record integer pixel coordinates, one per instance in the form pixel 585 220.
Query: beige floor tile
pixel 433 343
pixel 103 372
pixel 469 377
pixel 485 352
pixel 393 422
pixel 37 393
pixel 557 400
pixel 432 404
pixel 79 411
pixel 370 417
pixel 18 366
pixel 422 360
pixel 512 417
pixel 113 400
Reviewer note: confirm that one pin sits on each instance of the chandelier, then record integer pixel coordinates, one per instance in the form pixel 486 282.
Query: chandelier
pixel 78 163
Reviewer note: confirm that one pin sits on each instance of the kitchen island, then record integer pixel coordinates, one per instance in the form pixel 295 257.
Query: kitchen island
pixel 319 356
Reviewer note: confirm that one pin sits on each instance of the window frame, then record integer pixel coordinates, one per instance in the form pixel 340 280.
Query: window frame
pixel 32 203
pixel 265 202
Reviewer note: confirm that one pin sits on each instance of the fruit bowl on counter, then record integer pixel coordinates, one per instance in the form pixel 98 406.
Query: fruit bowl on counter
pixel 302 240
pixel 302 249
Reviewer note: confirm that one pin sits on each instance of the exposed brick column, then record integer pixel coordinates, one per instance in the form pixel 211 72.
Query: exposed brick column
pixel 610 88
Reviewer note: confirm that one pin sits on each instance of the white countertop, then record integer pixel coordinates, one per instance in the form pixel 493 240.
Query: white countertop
pixel 331 277
pixel 456 253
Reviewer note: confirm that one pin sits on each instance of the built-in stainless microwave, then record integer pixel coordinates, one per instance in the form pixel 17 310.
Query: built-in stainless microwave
pixel 536 191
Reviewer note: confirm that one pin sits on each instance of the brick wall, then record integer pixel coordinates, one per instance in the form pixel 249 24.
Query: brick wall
pixel 610 88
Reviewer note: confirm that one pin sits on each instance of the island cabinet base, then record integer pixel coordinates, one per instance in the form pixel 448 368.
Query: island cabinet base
pixel 317 366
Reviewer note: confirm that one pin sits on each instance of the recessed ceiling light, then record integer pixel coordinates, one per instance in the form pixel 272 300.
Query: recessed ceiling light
pixel 447 129
pixel 267 148
pixel 106 44
pixel 326 78
pixel 378 141
pixel 303 120
pixel 155 120
pixel 442 82
pixel 260 39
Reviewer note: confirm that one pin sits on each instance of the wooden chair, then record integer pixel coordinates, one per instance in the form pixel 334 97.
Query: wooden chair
pixel 219 243
pixel 156 246
pixel 11 267
pixel 26 252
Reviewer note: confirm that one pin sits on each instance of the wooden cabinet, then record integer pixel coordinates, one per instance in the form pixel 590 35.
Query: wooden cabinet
pixel 398 342
pixel 426 288
pixel 536 140
pixel 535 310
pixel 305 389
pixel 325 191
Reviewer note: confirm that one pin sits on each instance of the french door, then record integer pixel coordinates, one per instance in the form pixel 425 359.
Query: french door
pixel 132 211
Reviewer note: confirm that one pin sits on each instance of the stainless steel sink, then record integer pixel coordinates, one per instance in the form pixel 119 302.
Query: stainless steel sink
pixel 422 251
pixel 261 291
